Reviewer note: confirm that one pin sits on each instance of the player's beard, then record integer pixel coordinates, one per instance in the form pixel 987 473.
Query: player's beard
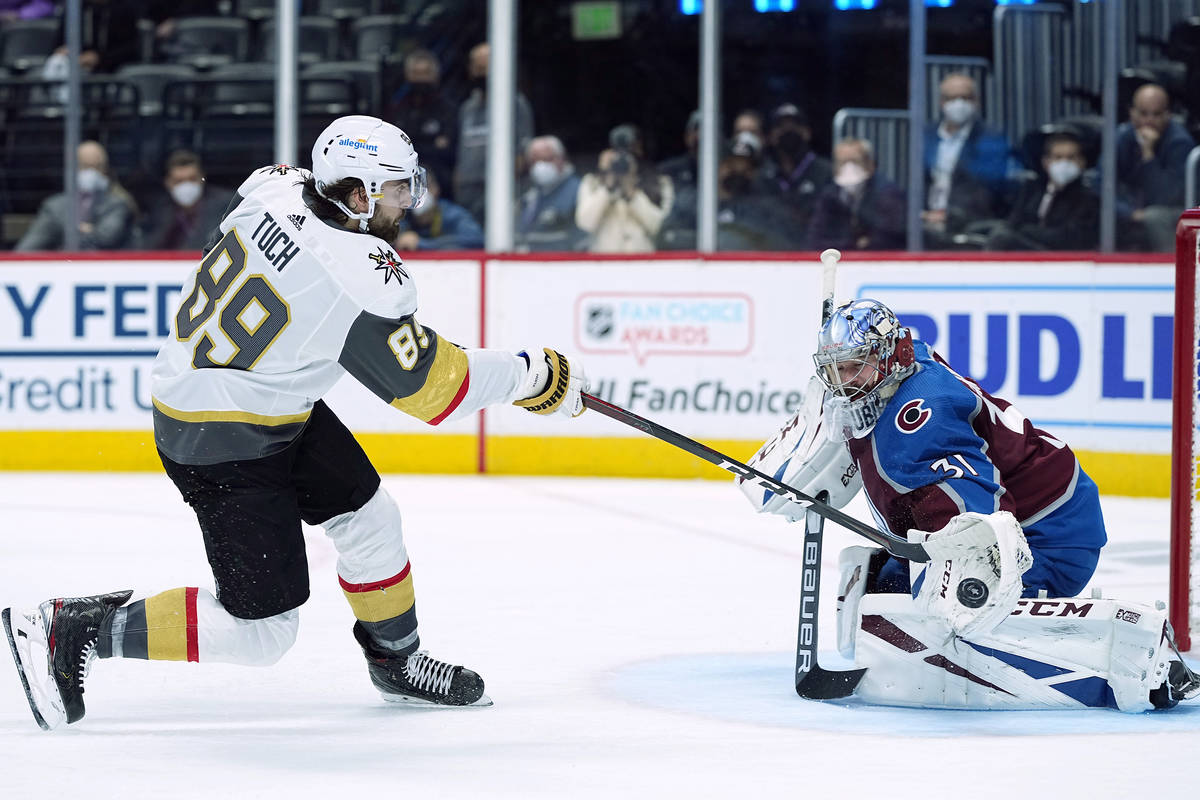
pixel 385 228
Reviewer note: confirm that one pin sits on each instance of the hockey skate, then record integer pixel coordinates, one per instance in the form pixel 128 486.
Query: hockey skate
pixel 53 647
pixel 418 679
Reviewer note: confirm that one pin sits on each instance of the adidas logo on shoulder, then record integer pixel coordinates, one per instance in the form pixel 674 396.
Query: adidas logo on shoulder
pixel 296 219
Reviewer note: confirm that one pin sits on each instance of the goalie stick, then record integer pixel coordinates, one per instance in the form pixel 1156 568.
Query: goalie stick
pixel 812 681
pixel 901 548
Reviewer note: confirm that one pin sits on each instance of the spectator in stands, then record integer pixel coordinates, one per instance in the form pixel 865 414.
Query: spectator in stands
pixel 749 217
pixel 748 120
pixel 1152 151
pixel 678 231
pixel 682 169
pixel 418 107
pixel 470 168
pixel 188 209
pixel 624 202
pixel 860 209
pixel 546 210
pixel 966 165
pixel 106 211
pixel 1057 212
pixel 438 224
pixel 801 174
pixel 25 9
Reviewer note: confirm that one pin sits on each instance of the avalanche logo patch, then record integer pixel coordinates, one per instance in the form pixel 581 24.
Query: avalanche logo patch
pixel 912 416
pixel 391 265
pixel 281 169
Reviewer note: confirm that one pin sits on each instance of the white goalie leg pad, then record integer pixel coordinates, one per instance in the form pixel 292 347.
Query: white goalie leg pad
pixel 853 566
pixel 802 455
pixel 1049 653
pixel 369 541
pixel 224 638
pixel 973 578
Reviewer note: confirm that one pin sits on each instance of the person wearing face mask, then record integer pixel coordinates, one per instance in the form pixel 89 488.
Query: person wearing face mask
pixel 438 224
pixel 800 175
pixel 106 211
pixel 189 209
pixel 749 218
pixel 861 209
pixel 470 168
pixel 431 119
pixel 966 165
pixel 1055 212
pixel 545 217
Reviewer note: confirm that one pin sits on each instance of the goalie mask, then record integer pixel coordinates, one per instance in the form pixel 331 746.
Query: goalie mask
pixel 371 150
pixel 863 354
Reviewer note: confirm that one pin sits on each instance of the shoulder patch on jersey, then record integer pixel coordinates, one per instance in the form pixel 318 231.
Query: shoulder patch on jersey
pixel 912 416
pixel 279 169
pixel 390 263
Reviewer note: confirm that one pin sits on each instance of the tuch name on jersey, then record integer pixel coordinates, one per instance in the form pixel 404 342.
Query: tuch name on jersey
pixel 275 245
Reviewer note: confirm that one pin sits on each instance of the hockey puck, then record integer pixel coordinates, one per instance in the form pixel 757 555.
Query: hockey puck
pixel 972 592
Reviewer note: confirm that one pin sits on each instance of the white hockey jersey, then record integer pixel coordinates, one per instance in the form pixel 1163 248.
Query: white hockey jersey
pixel 278 310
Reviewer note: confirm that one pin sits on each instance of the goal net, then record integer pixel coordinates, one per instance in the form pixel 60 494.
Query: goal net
pixel 1185 444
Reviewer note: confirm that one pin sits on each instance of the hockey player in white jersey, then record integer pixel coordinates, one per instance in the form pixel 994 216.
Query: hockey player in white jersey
pixel 299 286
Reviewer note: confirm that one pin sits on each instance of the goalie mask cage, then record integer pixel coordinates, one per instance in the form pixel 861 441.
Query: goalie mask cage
pixel 1185 444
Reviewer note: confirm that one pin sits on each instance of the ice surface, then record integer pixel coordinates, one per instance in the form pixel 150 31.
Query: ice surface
pixel 636 636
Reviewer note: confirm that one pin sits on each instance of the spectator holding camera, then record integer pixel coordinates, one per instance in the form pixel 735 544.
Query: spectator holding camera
pixel 624 202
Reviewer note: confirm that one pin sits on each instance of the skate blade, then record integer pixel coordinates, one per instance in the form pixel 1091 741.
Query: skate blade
pixel 416 702
pixel 29 649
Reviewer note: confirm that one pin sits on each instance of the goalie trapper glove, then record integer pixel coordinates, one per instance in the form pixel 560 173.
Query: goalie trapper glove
pixel 553 384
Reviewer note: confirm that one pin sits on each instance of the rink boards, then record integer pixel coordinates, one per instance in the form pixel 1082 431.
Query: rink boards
pixel 718 348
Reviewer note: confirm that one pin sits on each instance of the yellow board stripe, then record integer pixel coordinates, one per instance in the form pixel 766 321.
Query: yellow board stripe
pixel 1128 474
pixel 443 384
pixel 166 626
pixel 377 605
pixel 229 416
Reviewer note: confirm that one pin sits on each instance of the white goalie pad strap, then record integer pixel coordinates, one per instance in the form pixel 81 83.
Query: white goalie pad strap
pixel 803 457
pixel 225 638
pixel 854 563
pixel 1049 653
pixel 369 541
pixel 973 578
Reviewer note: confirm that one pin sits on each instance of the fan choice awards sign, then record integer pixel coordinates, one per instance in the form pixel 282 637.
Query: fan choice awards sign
pixel 718 349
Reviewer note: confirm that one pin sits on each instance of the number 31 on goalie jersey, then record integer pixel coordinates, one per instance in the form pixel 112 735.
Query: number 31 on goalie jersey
pixel 251 317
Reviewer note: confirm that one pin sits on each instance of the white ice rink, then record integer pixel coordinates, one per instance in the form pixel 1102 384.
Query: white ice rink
pixel 637 638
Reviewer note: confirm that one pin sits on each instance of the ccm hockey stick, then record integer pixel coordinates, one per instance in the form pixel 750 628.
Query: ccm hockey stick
pixel 901 548
pixel 813 682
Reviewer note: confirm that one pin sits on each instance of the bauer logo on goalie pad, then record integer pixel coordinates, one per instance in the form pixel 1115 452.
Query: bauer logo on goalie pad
pixel 1128 616
pixel 912 416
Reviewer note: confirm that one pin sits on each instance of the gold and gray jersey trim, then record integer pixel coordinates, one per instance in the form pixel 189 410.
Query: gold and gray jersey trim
pixel 212 437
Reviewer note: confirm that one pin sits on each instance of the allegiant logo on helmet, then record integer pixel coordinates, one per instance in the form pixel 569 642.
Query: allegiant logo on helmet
pixel 358 144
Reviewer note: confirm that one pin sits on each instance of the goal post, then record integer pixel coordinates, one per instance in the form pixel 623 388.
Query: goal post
pixel 1185 444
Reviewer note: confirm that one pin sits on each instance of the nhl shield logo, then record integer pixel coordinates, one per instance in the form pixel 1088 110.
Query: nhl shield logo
pixel 599 324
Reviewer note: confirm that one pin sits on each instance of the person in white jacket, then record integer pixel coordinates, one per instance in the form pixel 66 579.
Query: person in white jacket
pixel 624 202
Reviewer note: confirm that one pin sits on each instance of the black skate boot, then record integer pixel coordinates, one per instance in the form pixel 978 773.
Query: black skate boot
pixel 419 679
pixel 53 647
pixel 1181 684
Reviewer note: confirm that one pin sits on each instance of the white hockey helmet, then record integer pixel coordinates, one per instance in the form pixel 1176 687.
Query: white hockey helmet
pixel 863 354
pixel 371 150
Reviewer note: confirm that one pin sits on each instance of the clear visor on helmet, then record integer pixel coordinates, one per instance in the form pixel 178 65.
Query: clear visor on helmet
pixel 404 192
pixel 849 372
